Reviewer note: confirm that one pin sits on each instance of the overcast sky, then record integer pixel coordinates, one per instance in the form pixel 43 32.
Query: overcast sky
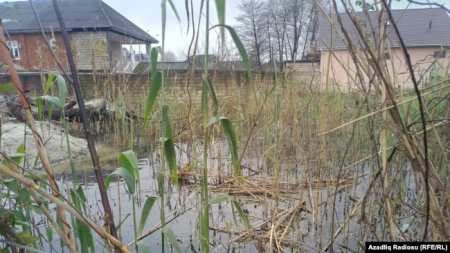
pixel 147 15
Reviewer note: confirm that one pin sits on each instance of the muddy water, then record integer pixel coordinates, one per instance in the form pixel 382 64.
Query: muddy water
pixel 306 229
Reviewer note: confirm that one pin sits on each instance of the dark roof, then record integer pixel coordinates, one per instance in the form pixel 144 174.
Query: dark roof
pixel 418 28
pixel 18 17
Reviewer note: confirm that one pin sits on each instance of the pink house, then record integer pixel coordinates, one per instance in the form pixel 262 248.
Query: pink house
pixel 425 32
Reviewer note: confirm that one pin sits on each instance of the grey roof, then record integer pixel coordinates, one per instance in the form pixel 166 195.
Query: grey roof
pixel 18 17
pixel 418 28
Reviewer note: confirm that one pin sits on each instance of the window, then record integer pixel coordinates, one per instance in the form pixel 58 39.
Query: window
pixel 440 54
pixel 14 49
pixel 387 55
pixel 52 43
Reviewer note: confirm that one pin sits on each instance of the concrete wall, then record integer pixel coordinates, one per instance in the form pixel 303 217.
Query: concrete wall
pixel 338 69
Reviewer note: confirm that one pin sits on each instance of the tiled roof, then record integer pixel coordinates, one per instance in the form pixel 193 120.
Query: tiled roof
pixel 418 28
pixel 18 17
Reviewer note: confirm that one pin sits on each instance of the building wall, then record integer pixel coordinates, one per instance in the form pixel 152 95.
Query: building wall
pixel 115 50
pixel 338 69
pixel 90 50
pixel 303 72
pixel 34 53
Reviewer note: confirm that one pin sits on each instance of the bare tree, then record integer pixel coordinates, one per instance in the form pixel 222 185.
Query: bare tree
pixel 277 29
pixel 298 23
pixel 277 17
pixel 252 29
pixel 170 56
pixel 311 32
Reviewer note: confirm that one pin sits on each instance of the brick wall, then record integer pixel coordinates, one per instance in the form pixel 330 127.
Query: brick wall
pixel 34 53
pixel 134 88
pixel 303 72
pixel 90 50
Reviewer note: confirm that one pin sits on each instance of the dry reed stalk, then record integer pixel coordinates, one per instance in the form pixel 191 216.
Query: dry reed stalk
pixel 64 207
pixel 274 188
pixel 385 108
pixel 280 223
pixel 345 223
pixel 415 153
pixel 288 216
pixel 42 152
pixel 384 172
pixel 383 136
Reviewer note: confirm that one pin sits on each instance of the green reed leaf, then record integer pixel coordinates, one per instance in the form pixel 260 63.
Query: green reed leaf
pixel 62 89
pixel 220 198
pixel 149 202
pixel 168 145
pixel 230 135
pixel 211 91
pixel 49 82
pixel 55 101
pixel 6 87
pixel 204 230
pixel 155 86
pixel 204 100
pixel 221 11
pixel 243 215
pixel 242 51
pixel 126 175
pixel 143 247
pixel 174 9
pixel 129 161
pixel 171 238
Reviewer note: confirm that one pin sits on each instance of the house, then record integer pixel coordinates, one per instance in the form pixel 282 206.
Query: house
pixel 425 32
pixel 97 34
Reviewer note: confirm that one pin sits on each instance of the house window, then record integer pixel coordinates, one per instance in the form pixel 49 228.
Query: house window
pixel 14 49
pixel 440 54
pixel 387 55
pixel 52 43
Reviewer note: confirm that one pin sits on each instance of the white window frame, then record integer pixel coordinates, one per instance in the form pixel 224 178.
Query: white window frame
pixel 52 43
pixel 14 49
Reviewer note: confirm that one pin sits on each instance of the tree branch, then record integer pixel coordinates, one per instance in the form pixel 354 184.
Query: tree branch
pixel 427 3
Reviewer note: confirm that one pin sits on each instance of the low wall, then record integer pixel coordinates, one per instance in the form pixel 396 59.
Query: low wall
pixel 303 72
pixel 135 87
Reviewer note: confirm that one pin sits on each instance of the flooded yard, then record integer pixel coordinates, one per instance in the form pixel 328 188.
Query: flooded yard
pixel 287 209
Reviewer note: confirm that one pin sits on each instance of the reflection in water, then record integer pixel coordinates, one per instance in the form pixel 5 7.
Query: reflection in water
pixel 283 208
